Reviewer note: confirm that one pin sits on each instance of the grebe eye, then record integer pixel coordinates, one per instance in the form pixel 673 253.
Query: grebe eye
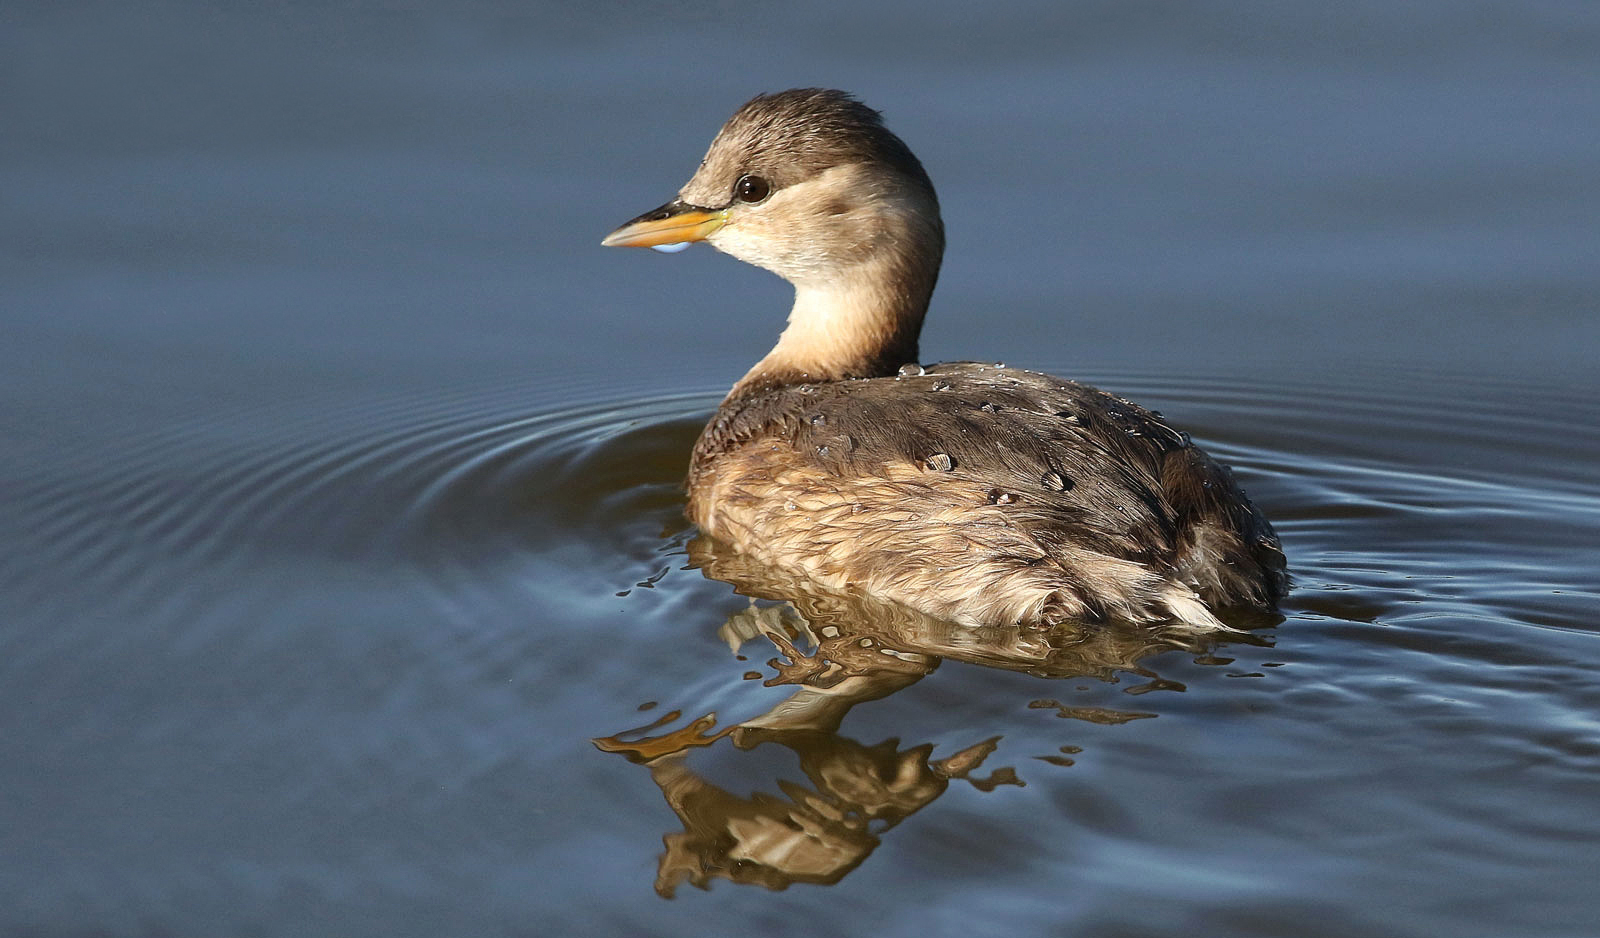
pixel 751 189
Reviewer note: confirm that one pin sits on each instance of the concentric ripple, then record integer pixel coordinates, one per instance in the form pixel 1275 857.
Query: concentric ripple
pixel 438 483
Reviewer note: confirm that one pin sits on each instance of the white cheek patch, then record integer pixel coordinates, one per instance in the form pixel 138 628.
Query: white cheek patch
pixel 670 248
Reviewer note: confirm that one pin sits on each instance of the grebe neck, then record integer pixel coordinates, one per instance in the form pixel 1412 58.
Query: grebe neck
pixel 861 325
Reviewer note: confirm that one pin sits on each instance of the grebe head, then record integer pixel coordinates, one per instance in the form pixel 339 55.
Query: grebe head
pixel 810 185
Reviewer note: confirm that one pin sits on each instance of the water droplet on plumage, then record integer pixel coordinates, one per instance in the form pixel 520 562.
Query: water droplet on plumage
pixel 822 451
pixel 1055 481
pixel 911 370
pixel 997 497
pixel 941 385
pixel 940 462
pixel 671 248
pixel 988 408
pixel 818 420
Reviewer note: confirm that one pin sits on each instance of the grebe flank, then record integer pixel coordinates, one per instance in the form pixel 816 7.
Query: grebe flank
pixel 982 494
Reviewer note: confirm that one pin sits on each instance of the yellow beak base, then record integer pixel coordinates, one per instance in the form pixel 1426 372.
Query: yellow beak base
pixel 676 222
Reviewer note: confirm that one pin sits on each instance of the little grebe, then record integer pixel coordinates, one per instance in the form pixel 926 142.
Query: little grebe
pixel 978 493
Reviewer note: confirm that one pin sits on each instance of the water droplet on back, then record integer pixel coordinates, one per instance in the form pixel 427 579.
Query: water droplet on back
pixel 911 370
pixel 997 497
pixel 940 462
pixel 1055 481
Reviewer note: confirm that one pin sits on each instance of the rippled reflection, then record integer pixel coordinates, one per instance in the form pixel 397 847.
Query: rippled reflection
pixel 838 650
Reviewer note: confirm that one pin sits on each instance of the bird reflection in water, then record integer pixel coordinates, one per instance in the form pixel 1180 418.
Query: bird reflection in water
pixel 838 650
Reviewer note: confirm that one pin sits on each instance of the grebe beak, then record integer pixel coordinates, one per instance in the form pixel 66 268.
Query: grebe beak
pixel 677 222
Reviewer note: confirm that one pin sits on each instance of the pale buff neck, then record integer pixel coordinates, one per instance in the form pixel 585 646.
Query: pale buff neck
pixel 863 325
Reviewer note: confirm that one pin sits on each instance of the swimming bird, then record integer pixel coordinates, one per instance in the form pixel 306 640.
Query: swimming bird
pixel 986 495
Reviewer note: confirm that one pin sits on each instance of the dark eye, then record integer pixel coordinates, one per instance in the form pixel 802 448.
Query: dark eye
pixel 751 189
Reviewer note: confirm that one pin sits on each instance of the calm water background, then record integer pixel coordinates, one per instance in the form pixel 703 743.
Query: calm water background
pixel 335 447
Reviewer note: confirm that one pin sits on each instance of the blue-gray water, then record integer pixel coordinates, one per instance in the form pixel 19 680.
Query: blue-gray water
pixel 336 452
